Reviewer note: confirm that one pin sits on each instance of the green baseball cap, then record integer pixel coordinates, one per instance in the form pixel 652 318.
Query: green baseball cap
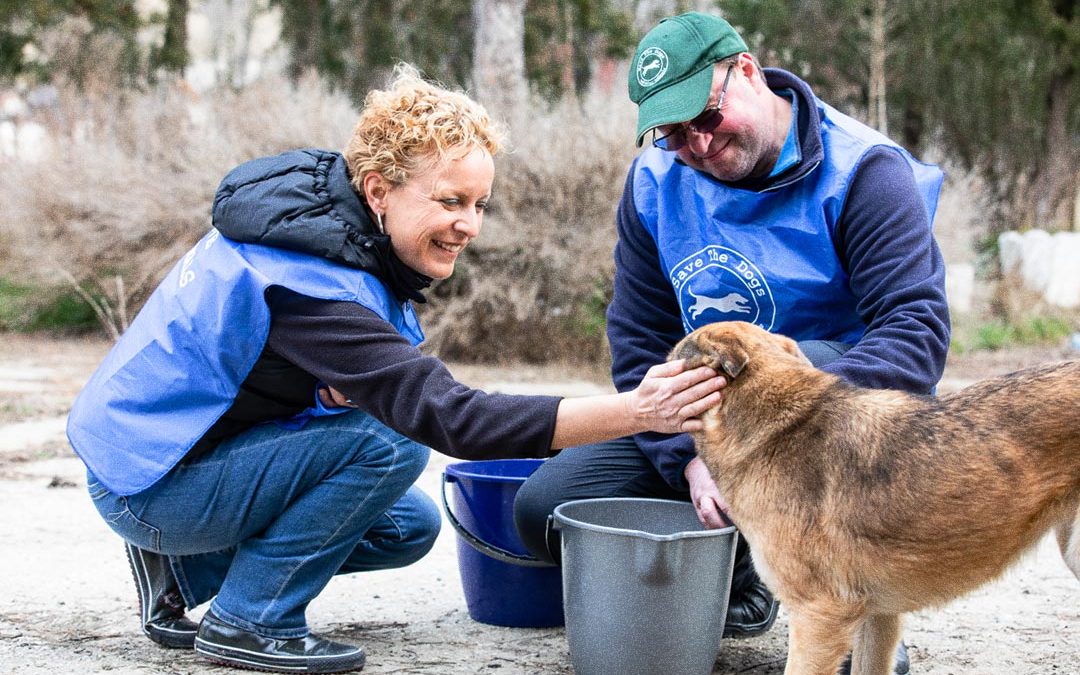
pixel 671 74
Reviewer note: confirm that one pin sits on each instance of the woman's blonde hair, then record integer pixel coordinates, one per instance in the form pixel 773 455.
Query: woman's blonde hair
pixel 413 124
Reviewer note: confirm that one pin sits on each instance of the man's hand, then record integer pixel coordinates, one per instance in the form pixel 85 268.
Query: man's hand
pixel 711 508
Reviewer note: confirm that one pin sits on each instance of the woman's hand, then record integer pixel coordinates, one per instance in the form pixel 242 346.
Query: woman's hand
pixel 669 400
pixel 332 398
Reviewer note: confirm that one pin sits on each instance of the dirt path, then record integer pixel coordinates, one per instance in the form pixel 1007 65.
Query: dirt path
pixel 68 601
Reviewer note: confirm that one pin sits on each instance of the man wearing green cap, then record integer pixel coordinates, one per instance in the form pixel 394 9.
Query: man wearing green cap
pixel 756 202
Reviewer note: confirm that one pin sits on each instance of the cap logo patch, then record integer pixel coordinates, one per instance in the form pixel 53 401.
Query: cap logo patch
pixel 652 66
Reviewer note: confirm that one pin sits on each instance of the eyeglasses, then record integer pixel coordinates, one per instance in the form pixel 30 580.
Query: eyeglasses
pixel 673 136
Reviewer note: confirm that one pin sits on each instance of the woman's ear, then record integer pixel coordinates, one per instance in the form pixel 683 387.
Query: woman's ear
pixel 375 188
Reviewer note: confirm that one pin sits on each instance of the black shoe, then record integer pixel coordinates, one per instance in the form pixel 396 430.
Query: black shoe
pixel 161 607
pixel 231 646
pixel 751 607
pixel 902 667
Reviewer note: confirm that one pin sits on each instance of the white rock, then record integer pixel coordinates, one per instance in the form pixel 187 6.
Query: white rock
pixel 1048 264
pixel 960 286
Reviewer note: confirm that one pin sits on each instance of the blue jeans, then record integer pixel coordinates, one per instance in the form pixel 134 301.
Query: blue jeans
pixel 270 515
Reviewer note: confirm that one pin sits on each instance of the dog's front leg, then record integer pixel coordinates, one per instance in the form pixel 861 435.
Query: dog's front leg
pixel 875 645
pixel 1068 536
pixel 818 641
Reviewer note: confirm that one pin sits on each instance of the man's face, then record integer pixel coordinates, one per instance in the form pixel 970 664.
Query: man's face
pixel 743 145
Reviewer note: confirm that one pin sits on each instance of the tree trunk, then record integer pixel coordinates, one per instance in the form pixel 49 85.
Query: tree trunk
pixel 174 55
pixel 232 26
pixel 1058 180
pixel 243 28
pixel 1076 204
pixel 499 56
pixel 878 112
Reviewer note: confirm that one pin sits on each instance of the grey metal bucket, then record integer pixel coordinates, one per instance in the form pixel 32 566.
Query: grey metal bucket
pixel 645 586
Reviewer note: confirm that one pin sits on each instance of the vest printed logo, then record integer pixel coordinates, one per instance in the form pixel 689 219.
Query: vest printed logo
pixel 732 302
pixel 720 284
pixel 652 66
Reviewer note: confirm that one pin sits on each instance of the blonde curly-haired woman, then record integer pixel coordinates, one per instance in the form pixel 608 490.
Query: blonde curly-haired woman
pixel 260 426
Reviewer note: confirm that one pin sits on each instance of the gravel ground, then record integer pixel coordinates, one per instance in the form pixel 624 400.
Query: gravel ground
pixel 68 604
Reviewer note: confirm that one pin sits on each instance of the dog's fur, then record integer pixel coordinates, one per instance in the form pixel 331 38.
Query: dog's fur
pixel 860 505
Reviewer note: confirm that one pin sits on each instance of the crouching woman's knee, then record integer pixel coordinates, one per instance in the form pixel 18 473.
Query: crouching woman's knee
pixel 420 528
pixel 400 459
pixel 412 459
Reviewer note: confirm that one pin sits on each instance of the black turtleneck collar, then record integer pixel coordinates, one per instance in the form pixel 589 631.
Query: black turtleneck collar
pixel 368 245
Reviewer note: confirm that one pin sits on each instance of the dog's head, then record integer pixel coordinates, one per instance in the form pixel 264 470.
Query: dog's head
pixel 730 346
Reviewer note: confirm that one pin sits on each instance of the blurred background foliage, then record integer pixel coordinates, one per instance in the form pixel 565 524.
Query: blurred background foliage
pixel 139 135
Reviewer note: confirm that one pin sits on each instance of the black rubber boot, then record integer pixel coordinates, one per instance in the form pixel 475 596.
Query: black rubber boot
pixel 751 607
pixel 226 644
pixel 161 607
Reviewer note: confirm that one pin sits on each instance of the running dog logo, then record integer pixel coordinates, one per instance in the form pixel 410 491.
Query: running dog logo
pixel 725 281
pixel 652 66
pixel 730 303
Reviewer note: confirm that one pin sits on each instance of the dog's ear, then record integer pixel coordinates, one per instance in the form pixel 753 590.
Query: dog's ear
pixel 730 354
pixel 722 353
pixel 689 351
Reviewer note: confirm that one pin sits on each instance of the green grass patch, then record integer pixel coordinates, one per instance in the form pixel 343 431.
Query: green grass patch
pixel 14 305
pixel 996 335
pixel 28 309
pixel 592 314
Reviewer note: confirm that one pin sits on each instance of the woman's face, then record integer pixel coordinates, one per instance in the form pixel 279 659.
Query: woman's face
pixel 432 217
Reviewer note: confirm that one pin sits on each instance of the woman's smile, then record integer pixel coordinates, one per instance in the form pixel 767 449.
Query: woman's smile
pixel 434 215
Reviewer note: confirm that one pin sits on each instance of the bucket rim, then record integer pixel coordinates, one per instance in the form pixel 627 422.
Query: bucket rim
pixel 461 469
pixel 562 519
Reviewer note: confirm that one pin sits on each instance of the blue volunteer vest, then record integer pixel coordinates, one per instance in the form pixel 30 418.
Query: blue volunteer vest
pixel 764 257
pixel 180 364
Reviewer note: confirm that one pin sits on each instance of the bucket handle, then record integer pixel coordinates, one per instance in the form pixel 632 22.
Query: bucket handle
pixel 487 549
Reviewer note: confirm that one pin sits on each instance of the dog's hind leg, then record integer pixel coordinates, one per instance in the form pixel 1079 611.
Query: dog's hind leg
pixel 817 643
pixel 1068 536
pixel 875 645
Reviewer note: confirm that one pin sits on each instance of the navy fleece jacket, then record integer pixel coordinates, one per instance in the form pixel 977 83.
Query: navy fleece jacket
pixel 883 241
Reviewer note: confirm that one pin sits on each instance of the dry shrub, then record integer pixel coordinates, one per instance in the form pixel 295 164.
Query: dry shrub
pixel 963 217
pixel 132 177
pixel 131 183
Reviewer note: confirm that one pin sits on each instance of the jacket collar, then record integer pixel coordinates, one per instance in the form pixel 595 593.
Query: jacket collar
pixel 365 247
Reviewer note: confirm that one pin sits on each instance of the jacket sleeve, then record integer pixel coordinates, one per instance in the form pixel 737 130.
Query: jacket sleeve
pixel 885 242
pixel 361 355
pixel 643 324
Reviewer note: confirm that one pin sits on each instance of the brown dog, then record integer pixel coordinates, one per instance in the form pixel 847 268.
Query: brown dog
pixel 861 504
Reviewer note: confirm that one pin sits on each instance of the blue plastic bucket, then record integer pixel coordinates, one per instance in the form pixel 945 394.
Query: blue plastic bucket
pixel 503 584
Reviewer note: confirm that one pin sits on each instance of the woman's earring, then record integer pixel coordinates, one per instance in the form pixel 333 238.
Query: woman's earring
pixel 378 219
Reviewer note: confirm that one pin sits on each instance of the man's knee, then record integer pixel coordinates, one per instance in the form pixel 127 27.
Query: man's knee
pixel 533 507
pixel 401 459
pixel 822 352
pixel 610 469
